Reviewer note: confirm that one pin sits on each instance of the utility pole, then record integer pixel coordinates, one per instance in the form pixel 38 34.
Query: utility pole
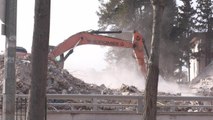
pixel 9 86
pixel 2 10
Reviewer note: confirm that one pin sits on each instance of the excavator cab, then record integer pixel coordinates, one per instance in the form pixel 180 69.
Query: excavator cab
pixel 21 52
pixel 58 60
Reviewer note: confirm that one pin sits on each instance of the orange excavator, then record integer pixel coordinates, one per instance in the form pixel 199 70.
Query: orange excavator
pixel 94 37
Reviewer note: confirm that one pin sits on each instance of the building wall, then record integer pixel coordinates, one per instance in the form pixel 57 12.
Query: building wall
pixel 198 43
pixel 194 63
pixel 123 117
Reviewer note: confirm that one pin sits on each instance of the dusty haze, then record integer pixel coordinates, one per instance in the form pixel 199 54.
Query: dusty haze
pixel 115 76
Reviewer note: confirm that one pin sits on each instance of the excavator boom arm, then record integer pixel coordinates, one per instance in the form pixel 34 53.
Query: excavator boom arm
pixel 87 38
pixel 91 38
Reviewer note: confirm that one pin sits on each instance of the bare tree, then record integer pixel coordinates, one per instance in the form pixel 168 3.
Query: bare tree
pixel 151 90
pixel 36 108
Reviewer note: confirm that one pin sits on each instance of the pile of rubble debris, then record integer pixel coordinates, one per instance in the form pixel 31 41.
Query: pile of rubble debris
pixel 59 81
pixel 203 83
pixel 204 87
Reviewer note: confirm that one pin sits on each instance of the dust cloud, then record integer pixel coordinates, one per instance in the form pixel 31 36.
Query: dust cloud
pixel 114 76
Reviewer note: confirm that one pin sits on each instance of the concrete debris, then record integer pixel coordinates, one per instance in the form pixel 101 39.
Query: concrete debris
pixel 59 81
pixel 129 90
pixel 203 83
pixel 204 87
pixel 205 73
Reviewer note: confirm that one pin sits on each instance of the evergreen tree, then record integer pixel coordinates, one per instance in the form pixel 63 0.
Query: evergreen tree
pixel 122 14
pixel 168 46
pixel 185 17
pixel 137 15
pixel 204 15
pixel 183 31
pixel 125 15
pixel 205 24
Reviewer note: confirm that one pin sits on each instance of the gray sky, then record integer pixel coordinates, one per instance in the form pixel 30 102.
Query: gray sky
pixel 68 17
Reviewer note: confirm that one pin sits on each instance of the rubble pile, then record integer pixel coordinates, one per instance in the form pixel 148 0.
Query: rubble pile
pixel 203 83
pixel 129 90
pixel 204 87
pixel 59 81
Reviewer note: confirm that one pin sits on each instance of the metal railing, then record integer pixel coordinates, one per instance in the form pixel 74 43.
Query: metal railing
pixel 114 104
pixel 21 108
pixel 128 104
